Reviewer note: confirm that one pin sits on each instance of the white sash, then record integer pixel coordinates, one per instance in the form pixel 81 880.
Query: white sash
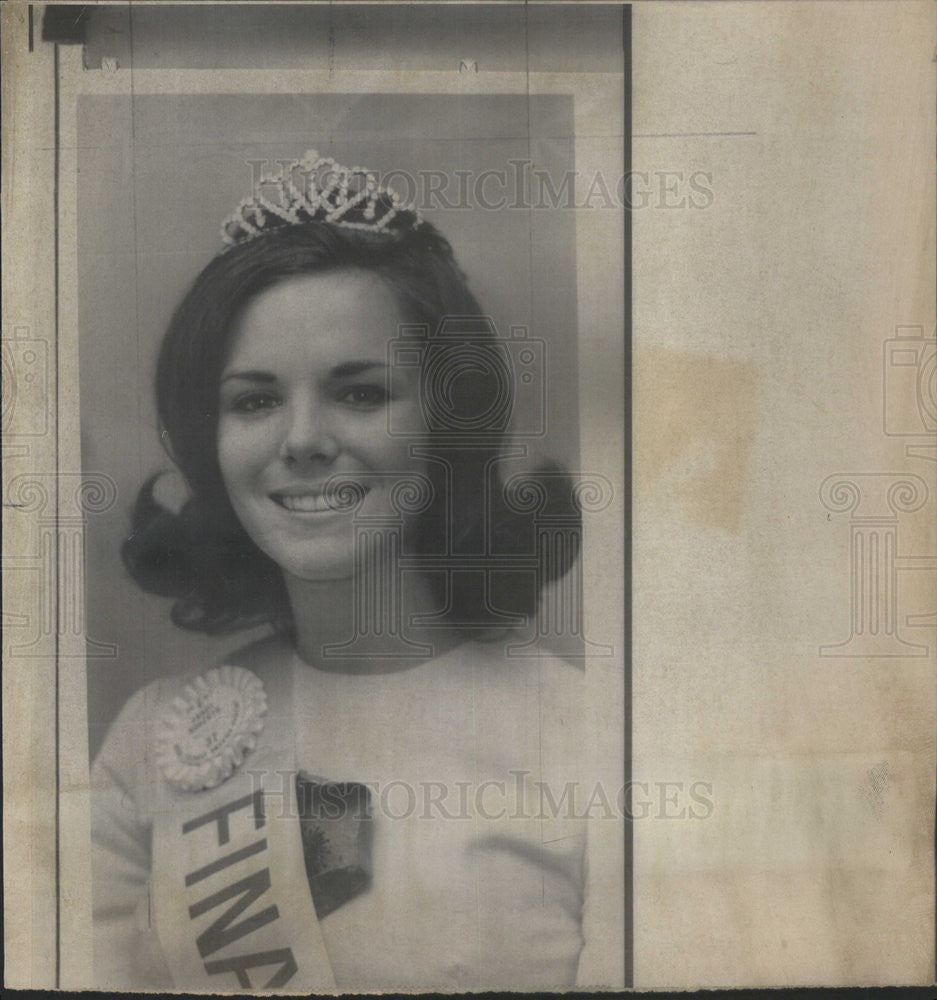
pixel 233 908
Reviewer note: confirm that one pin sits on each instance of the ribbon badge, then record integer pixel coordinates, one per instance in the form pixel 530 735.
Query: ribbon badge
pixel 208 731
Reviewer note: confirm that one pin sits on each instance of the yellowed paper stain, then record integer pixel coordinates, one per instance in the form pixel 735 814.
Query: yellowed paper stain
pixel 697 442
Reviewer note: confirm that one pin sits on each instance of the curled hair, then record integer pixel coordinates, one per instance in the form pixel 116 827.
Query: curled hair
pixel 202 556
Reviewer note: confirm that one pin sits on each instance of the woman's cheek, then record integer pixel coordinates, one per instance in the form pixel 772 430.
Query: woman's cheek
pixel 242 441
pixel 402 418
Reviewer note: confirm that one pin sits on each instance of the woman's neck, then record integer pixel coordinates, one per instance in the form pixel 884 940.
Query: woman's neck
pixel 332 634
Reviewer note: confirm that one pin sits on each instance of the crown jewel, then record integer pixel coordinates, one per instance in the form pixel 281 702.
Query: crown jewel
pixel 318 189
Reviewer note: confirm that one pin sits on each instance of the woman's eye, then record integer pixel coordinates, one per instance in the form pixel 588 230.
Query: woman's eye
pixel 253 402
pixel 365 395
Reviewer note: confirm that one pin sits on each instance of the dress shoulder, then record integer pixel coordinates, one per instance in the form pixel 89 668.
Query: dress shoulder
pixel 126 758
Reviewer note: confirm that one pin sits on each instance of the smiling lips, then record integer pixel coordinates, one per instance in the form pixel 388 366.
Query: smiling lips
pixel 308 501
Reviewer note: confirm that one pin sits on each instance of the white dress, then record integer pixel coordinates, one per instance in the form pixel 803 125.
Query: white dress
pixel 476 847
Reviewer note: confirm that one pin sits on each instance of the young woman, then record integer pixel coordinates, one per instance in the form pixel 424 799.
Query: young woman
pixel 379 795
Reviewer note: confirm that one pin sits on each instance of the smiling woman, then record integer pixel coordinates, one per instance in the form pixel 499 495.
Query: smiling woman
pixel 339 407
pixel 306 395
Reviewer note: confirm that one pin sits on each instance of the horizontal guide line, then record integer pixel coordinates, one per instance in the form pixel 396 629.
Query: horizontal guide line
pixel 684 135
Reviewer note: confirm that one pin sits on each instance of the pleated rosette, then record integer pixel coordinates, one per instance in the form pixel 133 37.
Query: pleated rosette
pixel 208 731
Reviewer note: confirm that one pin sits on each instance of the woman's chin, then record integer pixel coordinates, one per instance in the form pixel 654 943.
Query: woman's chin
pixel 313 560
pixel 319 572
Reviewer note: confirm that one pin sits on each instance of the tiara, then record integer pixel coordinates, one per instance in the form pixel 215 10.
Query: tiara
pixel 318 189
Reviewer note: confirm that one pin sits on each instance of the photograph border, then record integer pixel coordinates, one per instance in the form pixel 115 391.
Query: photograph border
pixel 72 79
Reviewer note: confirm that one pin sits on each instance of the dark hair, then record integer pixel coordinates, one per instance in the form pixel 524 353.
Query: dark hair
pixel 202 556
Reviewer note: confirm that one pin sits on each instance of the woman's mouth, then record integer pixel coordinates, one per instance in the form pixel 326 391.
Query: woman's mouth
pixel 317 502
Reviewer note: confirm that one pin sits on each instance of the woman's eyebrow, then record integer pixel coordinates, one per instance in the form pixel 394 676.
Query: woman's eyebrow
pixel 348 368
pixel 344 370
pixel 250 376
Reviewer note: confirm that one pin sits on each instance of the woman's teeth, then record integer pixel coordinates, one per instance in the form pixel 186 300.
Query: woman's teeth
pixel 309 503
pixel 306 504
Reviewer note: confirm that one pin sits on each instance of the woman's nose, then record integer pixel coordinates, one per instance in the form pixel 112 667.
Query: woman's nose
pixel 308 437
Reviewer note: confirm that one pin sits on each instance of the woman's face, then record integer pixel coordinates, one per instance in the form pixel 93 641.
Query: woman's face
pixel 307 394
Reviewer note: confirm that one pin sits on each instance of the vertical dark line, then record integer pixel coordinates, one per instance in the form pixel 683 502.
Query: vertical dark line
pixel 530 301
pixel 56 156
pixel 530 217
pixel 29 18
pixel 626 285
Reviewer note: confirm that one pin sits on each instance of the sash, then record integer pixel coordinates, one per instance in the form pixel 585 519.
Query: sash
pixel 233 909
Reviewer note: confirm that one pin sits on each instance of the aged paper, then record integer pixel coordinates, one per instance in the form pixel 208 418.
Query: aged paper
pixel 703 237
pixel 784 497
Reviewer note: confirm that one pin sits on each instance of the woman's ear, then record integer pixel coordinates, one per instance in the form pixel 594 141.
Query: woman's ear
pixel 171 491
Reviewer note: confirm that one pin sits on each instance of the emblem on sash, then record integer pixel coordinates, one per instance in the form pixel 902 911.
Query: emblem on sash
pixel 207 732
